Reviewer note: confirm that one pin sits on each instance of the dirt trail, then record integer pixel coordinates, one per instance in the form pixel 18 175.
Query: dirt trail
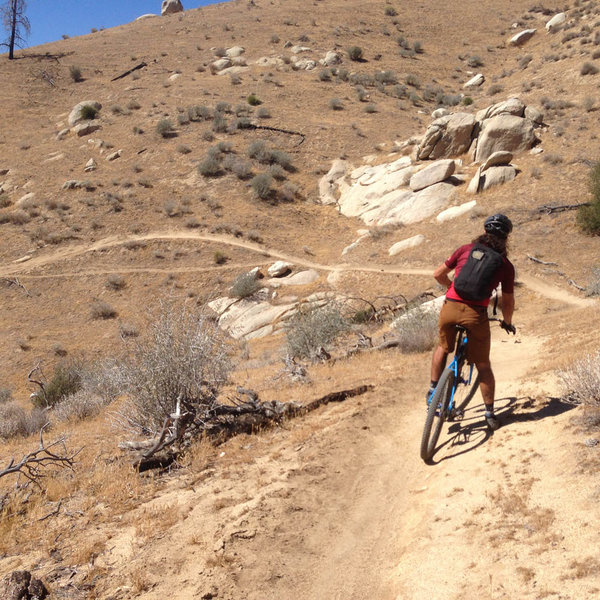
pixel 25 265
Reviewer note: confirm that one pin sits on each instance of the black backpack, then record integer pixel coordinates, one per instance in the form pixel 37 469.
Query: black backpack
pixel 474 281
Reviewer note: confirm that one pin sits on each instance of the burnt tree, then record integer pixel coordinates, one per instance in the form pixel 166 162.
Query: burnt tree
pixel 16 23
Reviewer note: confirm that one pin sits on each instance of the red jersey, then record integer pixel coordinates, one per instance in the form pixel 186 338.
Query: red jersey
pixel 504 276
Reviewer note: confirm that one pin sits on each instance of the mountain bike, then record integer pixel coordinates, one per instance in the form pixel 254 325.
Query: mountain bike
pixel 454 391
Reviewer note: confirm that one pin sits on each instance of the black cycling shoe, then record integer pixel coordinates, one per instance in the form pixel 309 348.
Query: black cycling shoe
pixel 492 421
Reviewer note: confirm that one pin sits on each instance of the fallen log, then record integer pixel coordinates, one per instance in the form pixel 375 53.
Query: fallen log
pixel 140 66
pixel 224 421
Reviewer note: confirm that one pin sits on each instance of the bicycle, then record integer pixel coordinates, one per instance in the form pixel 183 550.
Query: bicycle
pixel 454 391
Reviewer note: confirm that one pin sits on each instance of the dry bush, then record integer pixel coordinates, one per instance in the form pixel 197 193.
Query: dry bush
pixel 102 310
pixel 83 404
pixel 244 286
pixel 417 330
pixel 182 356
pixel 313 328
pixel 262 185
pixel 593 287
pixel 15 420
pixel 67 379
pixel 5 395
pixel 581 381
pixel 115 282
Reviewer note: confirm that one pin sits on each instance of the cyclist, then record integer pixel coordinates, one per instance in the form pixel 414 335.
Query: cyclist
pixel 472 314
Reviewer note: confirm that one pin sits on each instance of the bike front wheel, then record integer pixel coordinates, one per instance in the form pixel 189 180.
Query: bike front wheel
pixel 436 414
pixel 466 386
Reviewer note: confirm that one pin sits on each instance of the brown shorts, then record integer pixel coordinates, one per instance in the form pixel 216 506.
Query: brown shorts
pixel 475 320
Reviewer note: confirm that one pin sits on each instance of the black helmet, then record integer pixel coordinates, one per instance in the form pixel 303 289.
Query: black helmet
pixel 499 225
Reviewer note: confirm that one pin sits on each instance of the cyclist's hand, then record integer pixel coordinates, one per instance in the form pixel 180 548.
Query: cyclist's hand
pixel 508 328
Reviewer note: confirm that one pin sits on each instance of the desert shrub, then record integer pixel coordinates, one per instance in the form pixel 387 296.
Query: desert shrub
pixel 5 395
pixel 589 104
pixel 553 159
pixel 66 380
pixel 115 282
pixel 75 73
pixel 390 11
pixel 403 42
pixel 81 405
pixel 588 217
pixel 183 119
pixel 581 381
pixel 102 310
pixel 274 39
pixel 277 172
pixel 355 53
pixel 400 91
pixel 183 149
pixel 263 113
pixel 88 112
pixel 219 124
pixel 289 191
pixel 525 60
pixel 242 169
pixel 412 80
pixel 164 128
pixel 182 356
pixel 262 185
pixel 474 61
pixel 386 77
pixel 418 47
pixel 244 286
pixel 253 100
pixel 494 89
pixel 134 105
pixel 117 109
pixel 16 421
pixel 225 147
pixel 325 75
pixel 313 328
pixel 210 167
pixel 467 100
pixel 336 104
pixel 258 150
pixel 417 330
pixel 371 108
pixel 588 68
pixel 219 258
pixel 223 107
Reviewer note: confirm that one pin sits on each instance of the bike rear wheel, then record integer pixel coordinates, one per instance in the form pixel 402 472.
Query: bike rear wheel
pixel 436 414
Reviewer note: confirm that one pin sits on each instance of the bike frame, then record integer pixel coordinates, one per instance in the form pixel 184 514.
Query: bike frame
pixel 457 363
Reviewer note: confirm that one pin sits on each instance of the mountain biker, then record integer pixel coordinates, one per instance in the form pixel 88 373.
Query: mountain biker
pixel 472 314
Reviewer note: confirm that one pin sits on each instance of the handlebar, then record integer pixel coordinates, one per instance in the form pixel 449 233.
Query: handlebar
pixel 508 328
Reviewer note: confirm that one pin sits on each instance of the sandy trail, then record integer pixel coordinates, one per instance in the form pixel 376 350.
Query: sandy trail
pixel 25 265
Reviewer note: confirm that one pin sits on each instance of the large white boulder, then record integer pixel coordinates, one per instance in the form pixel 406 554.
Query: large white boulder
pixel 447 136
pixel 504 132
pixel 512 106
pixel 328 183
pixel 411 242
pixel 330 59
pixel 432 174
pixel 455 211
pixel 235 51
pixel 497 175
pixel 521 37
pixel 76 115
pixel 498 158
pixel 169 7
pixel 556 22
pixel 475 81
pixel 279 268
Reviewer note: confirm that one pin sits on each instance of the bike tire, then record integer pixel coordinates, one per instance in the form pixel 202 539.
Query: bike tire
pixel 441 396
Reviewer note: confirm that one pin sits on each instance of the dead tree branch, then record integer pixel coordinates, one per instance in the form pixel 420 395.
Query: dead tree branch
pixel 17 283
pixel 548 210
pixel 140 66
pixel 279 130
pixel 541 262
pixel 32 466
pixel 39 383
pixel 222 421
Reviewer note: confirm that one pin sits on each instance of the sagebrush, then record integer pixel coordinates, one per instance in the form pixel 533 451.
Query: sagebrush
pixel 417 330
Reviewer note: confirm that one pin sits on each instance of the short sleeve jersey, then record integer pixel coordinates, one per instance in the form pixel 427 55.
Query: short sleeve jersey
pixel 505 276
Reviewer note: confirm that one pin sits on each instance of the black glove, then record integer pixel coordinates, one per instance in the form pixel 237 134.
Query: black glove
pixel 508 328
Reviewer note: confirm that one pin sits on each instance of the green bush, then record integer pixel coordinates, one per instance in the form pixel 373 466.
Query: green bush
pixel 75 73
pixel 66 380
pixel 88 112
pixel 253 100
pixel 588 217
pixel 313 328
pixel 355 53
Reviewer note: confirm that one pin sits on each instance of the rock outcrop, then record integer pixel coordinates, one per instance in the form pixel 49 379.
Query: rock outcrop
pixel 80 112
pixel 520 38
pixel 169 7
pixel 432 174
pixel 504 132
pixel 447 136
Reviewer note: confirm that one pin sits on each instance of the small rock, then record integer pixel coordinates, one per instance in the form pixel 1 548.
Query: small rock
pixel 114 155
pixel 455 211
pixel 24 199
pixel 175 77
pixel 146 16
pixel 235 51
pixel 62 134
pixel 90 165
pixel 279 269
pixel 555 23
pixel 476 81
pixel 591 442
pixel 75 184
pixel 86 128
pixel 411 242
pixel 501 157
pixel 299 49
pixel 4 172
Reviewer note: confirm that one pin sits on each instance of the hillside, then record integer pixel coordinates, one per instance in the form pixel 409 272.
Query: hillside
pixel 335 504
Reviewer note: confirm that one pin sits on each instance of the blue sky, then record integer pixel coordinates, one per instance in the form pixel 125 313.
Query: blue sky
pixel 50 19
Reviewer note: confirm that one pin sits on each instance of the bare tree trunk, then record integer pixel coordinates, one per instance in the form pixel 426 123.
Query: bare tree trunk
pixel 13 29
